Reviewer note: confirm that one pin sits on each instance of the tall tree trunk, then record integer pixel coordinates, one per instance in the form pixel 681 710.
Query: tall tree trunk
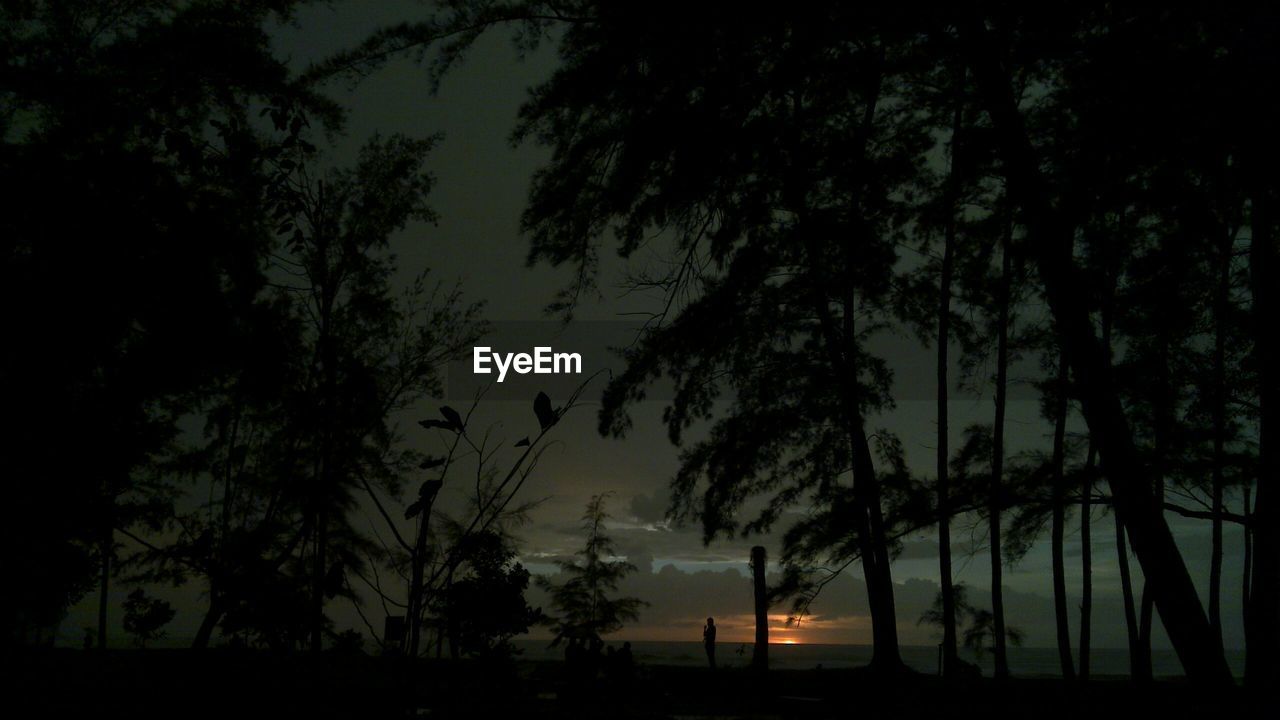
pixel 996 491
pixel 1215 556
pixel 1137 670
pixel 1139 662
pixel 760 659
pixel 104 581
pixel 1246 575
pixel 1162 422
pixel 318 586
pixel 450 623
pixel 455 645
pixel 1050 241
pixel 426 499
pixel 886 655
pixel 210 621
pixel 326 288
pixel 413 611
pixel 840 345
pixel 865 519
pixel 1220 305
pixel 875 548
pixel 1146 616
pixel 216 607
pixel 869 519
pixel 1262 660
pixel 889 656
pixel 1059 521
pixel 949 641
pixel 1086 561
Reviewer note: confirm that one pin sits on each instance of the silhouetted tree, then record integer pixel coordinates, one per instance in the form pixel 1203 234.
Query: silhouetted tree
pixel 1060 406
pixel 582 599
pixel 978 624
pixel 308 426
pixel 1050 243
pixel 131 169
pixel 146 616
pixel 1001 306
pixel 947 219
pixel 1041 486
pixel 484 605
pixel 428 560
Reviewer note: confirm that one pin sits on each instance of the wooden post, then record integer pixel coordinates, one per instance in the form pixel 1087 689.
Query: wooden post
pixel 760 660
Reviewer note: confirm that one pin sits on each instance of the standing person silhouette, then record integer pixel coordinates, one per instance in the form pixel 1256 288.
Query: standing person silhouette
pixel 709 640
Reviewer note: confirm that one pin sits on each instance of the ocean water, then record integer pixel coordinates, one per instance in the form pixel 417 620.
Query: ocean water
pixel 1025 661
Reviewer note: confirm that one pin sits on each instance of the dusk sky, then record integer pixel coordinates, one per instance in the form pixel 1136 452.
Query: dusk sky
pixel 481 188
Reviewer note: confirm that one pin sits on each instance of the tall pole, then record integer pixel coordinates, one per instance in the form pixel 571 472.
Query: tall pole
pixel 760 660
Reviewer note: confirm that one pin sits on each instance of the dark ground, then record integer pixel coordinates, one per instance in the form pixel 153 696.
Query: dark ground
pixel 182 684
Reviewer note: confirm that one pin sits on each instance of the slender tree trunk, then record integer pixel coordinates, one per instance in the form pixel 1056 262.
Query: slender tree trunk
pixel 1221 302
pixel 1139 662
pixel 210 621
pixel 1262 661
pixel 1059 521
pixel 413 610
pixel 455 646
pixel 889 655
pixel 216 604
pixel 996 491
pixel 886 655
pixel 1246 575
pixel 873 541
pixel 104 582
pixel 326 290
pixel 228 483
pixel 840 345
pixel 1215 554
pixel 865 519
pixel 949 641
pixel 427 498
pixel 1050 241
pixel 318 587
pixel 1137 670
pixel 1146 616
pixel 1086 562
pixel 760 660
pixel 1215 568
pixel 875 556
pixel 1163 420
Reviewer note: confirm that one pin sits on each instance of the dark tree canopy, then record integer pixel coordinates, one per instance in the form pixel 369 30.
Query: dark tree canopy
pixel 128 151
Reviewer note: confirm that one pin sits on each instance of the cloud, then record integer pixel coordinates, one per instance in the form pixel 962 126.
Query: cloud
pixel 650 508
pixel 919 549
